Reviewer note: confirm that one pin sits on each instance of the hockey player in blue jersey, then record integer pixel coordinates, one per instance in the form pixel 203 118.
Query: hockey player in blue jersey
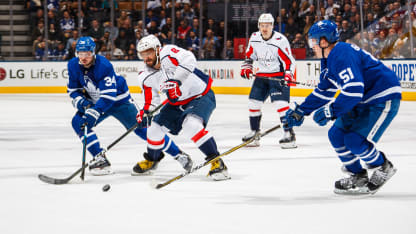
pixel 369 99
pixel 97 92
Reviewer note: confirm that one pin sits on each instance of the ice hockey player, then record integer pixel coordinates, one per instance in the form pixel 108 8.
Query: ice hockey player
pixel 149 81
pixel 275 68
pixel 369 99
pixel 191 102
pixel 97 92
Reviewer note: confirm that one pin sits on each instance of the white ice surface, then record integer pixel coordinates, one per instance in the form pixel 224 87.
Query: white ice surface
pixel 271 190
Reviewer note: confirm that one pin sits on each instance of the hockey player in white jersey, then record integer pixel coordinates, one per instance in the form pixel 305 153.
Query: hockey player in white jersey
pixel 150 82
pixel 369 100
pixel 190 102
pixel 275 69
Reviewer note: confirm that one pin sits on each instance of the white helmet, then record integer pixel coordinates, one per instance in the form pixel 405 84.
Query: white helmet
pixel 147 42
pixel 266 18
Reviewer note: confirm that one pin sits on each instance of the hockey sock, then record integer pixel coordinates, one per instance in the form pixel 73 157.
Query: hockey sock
pixel 283 120
pixel 255 122
pixel 154 149
pixel 350 161
pixel 93 145
pixel 170 147
pixel 364 149
pixel 209 148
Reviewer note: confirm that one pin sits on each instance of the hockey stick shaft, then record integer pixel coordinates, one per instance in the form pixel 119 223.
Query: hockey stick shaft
pixel 84 151
pixel 216 158
pixel 289 82
pixel 51 180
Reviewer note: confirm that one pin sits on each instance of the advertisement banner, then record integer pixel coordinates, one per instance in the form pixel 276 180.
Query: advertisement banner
pixel 52 77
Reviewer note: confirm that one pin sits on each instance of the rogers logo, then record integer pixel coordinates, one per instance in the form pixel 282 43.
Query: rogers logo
pixel 2 74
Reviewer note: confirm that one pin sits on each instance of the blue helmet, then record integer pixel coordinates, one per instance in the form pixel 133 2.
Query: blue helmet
pixel 85 44
pixel 326 29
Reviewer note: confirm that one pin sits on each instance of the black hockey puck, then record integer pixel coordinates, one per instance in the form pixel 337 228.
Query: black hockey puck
pixel 106 188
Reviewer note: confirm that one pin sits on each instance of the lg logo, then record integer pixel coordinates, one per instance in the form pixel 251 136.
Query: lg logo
pixel 2 74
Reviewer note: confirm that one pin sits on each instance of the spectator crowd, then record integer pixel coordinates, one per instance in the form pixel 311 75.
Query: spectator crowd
pixel 385 33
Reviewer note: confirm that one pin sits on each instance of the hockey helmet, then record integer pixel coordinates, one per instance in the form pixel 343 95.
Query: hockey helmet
pixel 266 18
pixel 85 44
pixel 147 42
pixel 323 29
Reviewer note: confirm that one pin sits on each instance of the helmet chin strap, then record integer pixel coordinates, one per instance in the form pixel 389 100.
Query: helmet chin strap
pixel 157 57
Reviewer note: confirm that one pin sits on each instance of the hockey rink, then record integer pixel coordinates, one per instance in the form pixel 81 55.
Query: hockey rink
pixel 271 191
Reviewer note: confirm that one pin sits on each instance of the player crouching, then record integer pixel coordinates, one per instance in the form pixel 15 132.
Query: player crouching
pixel 190 103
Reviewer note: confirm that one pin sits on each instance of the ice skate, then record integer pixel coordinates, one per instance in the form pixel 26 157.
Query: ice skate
pixel 145 167
pixel 381 175
pixel 289 140
pixel 249 136
pixel 100 165
pixel 185 161
pixel 356 184
pixel 218 170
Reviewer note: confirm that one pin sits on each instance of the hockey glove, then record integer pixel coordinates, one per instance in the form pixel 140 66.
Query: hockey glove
pixel 143 119
pixel 81 104
pixel 295 117
pixel 90 118
pixel 173 90
pixel 289 79
pixel 246 70
pixel 323 115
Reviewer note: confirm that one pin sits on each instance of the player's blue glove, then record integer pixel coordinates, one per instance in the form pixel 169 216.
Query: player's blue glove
pixel 173 90
pixel 143 119
pixel 323 115
pixel 295 117
pixel 81 104
pixel 90 118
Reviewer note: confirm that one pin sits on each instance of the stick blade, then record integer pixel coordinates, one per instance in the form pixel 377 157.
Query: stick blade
pixel 50 180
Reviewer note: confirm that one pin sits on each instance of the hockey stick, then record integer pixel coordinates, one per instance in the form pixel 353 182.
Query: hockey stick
pixel 84 150
pixel 51 180
pixel 159 186
pixel 281 80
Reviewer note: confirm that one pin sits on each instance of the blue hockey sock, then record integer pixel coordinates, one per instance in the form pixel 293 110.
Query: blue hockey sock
pixel 209 148
pixel 170 147
pixel 283 120
pixel 350 161
pixel 255 122
pixel 363 149
pixel 93 144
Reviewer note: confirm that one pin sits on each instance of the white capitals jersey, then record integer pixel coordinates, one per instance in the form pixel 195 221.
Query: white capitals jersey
pixel 273 56
pixel 180 64
pixel 150 81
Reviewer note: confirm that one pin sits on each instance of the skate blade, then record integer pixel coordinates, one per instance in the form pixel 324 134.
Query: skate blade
pixel 253 144
pixel 288 145
pixel 133 173
pixel 353 192
pixel 102 172
pixel 220 176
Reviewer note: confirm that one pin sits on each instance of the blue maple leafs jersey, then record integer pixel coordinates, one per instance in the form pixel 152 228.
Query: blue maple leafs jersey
pixel 361 79
pixel 99 82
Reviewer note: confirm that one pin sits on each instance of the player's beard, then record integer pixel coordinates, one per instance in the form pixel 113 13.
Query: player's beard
pixel 151 62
